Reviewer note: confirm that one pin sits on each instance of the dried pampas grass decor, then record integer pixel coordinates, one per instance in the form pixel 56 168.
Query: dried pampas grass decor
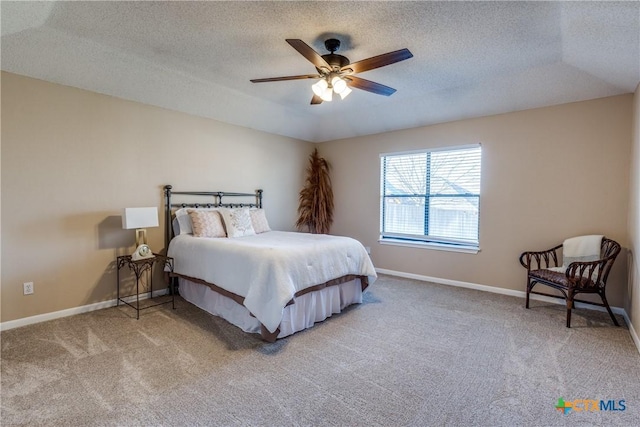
pixel 315 212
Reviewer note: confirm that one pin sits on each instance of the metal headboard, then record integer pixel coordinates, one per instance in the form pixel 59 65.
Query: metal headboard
pixel 214 201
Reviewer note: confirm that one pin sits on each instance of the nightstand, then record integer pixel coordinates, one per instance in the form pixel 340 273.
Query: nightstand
pixel 144 267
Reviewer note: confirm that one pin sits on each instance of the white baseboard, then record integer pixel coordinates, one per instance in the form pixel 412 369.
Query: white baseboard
pixel 11 324
pixel 514 293
pixel 632 331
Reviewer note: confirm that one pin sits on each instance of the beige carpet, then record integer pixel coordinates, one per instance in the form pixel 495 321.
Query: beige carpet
pixel 413 354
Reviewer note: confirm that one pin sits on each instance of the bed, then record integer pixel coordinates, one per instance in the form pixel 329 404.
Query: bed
pixel 228 262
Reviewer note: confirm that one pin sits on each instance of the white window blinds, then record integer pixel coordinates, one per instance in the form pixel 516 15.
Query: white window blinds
pixel 431 196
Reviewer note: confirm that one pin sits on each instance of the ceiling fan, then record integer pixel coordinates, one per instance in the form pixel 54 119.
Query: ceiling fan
pixel 336 73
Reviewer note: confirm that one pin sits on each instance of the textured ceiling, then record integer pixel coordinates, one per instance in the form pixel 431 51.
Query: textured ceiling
pixel 470 58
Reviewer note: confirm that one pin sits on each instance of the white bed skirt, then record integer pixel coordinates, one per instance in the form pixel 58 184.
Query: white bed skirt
pixel 308 308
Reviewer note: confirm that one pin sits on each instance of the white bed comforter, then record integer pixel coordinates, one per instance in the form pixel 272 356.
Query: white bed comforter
pixel 267 269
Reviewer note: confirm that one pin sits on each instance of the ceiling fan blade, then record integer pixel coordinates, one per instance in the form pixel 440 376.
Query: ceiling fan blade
pixel 278 79
pixel 316 100
pixel 306 51
pixel 379 61
pixel 370 86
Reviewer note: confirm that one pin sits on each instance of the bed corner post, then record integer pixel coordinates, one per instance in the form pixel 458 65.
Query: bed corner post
pixel 259 198
pixel 167 215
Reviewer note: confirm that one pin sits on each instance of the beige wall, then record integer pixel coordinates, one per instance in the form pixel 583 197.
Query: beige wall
pixel 71 159
pixel 633 307
pixel 548 174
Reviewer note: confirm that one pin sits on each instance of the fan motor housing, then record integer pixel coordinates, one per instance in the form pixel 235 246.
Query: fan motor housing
pixel 336 61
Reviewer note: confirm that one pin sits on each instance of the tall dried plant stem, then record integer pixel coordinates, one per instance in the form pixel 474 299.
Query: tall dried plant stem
pixel 315 211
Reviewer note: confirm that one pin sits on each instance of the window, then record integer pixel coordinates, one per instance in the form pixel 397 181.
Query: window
pixel 431 196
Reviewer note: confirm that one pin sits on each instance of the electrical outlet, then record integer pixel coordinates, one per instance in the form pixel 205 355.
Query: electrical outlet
pixel 28 288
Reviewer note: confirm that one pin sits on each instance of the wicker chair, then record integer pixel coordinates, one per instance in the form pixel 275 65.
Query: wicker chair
pixel 579 277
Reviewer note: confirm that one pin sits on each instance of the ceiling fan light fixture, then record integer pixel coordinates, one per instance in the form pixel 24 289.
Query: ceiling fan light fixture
pixel 319 87
pixel 327 94
pixel 345 92
pixel 338 84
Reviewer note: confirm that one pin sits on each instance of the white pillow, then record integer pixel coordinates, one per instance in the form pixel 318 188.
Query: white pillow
pixel 184 222
pixel 237 222
pixel 259 220
pixel 176 227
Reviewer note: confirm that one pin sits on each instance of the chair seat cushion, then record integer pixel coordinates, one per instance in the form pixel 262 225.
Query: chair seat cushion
pixel 560 279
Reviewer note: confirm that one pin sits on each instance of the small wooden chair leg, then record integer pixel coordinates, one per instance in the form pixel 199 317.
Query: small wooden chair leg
pixel 606 305
pixel 569 307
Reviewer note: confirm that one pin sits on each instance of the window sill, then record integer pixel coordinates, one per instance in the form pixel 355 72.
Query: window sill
pixel 431 245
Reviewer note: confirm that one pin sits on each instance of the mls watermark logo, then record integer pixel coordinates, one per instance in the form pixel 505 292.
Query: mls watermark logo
pixel 590 405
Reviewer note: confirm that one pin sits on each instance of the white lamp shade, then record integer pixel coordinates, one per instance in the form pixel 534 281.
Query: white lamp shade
pixel 327 94
pixel 139 217
pixel 338 84
pixel 345 92
pixel 319 87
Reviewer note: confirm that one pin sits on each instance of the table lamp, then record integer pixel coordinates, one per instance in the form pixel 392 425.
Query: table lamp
pixel 140 219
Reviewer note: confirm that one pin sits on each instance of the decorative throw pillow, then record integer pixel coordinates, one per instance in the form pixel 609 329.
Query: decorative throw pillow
pixel 237 222
pixel 184 220
pixel 206 223
pixel 259 221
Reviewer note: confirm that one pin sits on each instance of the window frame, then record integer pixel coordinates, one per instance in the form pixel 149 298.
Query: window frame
pixel 428 241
